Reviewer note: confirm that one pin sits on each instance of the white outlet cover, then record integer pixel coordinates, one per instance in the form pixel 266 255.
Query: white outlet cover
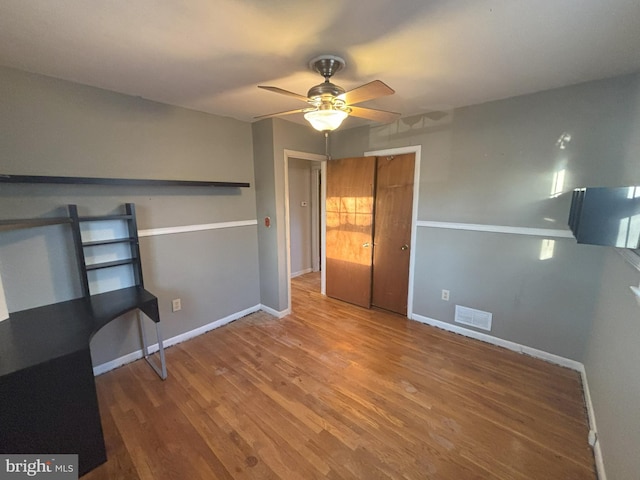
pixel 176 305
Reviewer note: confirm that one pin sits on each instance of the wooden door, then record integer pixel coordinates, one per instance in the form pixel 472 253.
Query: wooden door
pixel 349 211
pixel 392 239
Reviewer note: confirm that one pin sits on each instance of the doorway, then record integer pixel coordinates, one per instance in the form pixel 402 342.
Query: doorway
pixel 416 149
pixel 304 216
pixel 319 164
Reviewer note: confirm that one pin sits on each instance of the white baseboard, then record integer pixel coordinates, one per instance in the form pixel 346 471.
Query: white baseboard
pixel 597 451
pixel 301 272
pixel 275 313
pixel 133 356
pixel 516 347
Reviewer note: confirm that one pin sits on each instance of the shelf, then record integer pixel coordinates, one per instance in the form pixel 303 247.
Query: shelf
pixel 115 263
pixel 111 241
pixel 102 218
pixel 32 222
pixel 138 182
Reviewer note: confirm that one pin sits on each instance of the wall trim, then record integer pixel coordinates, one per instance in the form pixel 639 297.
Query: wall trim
pixel 152 232
pixel 516 347
pixel 275 313
pixel 136 355
pixel 476 227
pixel 597 451
pixel 301 272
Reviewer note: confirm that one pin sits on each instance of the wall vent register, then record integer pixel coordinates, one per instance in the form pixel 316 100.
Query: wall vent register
pixel 473 317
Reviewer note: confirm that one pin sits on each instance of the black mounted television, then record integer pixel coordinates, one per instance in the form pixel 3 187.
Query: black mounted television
pixel 606 216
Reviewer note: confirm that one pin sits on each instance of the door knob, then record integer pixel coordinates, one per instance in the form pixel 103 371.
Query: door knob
pixel 366 245
pixel 404 247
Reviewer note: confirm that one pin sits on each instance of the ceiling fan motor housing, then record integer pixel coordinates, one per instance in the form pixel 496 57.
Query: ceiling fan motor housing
pixel 326 90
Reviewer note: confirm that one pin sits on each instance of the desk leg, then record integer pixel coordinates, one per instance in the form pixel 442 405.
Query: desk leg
pixel 161 369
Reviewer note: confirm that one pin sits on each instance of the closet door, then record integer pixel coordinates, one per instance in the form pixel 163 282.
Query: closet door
pixel 392 240
pixel 349 242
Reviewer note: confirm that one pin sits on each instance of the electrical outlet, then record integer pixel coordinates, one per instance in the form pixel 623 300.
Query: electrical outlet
pixel 445 295
pixel 176 305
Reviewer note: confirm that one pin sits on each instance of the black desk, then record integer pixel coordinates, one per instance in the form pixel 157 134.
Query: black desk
pixel 48 401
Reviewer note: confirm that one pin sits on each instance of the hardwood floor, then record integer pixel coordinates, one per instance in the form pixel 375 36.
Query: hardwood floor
pixel 339 392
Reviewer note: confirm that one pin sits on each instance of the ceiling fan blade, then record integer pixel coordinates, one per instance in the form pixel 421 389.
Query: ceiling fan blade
pixel 288 112
pixel 381 116
pixel 284 92
pixel 365 92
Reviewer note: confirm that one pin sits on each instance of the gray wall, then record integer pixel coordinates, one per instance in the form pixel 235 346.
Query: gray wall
pixel 53 127
pixel 280 135
pixel 300 216
pixel 266 207
pixel 494 164
pixel 612 360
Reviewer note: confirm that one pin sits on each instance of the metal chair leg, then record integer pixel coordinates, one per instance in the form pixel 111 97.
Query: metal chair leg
pixel 161 369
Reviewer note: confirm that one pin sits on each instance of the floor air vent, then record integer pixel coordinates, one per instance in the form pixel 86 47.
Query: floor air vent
pixel 473 317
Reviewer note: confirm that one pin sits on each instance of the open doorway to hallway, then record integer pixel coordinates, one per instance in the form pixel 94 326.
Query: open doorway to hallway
pixel 304 216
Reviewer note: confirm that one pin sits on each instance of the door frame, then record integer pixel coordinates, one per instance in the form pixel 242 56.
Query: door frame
pixel 415 149
pixel 316 214
pixel 322 160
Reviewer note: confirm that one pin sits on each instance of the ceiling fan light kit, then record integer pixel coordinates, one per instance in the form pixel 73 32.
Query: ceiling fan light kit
pixel 325 120
pixel 329 104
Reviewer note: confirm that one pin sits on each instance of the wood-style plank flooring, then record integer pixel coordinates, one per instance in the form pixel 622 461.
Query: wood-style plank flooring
pixel 339 392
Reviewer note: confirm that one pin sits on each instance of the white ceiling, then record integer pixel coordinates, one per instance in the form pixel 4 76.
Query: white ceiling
pixel 210 55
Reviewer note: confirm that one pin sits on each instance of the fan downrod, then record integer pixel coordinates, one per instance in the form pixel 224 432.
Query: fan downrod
pixel 327 65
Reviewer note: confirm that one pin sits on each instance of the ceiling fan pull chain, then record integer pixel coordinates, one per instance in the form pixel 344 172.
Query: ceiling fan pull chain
pixel 326 145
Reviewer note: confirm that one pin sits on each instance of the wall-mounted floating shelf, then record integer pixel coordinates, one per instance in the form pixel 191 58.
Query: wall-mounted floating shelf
pixel 137 182
pixel 32 222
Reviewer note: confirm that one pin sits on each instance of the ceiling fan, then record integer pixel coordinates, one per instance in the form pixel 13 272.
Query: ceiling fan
pixel 330 104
